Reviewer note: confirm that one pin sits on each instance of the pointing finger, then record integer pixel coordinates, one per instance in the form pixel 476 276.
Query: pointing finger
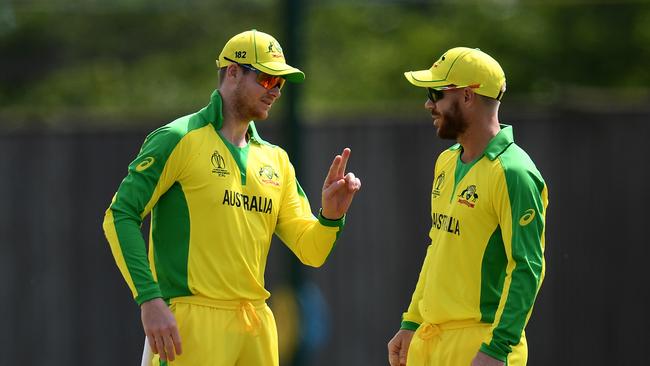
pixel 334 168
pixel 344 161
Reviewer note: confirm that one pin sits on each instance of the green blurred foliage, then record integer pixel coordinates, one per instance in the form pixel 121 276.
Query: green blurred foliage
pixel 125 61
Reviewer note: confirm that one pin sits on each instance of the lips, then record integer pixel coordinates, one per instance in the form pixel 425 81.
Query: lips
pixel 267 102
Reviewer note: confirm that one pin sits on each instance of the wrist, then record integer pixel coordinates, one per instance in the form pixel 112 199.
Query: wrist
pixel 326 221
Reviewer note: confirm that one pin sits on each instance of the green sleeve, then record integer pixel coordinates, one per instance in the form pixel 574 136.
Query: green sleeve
pixel 146 181
pixel 521 212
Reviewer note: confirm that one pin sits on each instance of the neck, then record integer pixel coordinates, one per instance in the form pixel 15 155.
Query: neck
pixel 477 137
pixel 234 126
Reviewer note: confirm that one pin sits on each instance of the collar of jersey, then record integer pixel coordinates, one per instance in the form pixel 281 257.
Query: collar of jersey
pixel 213 112
pixel 498 144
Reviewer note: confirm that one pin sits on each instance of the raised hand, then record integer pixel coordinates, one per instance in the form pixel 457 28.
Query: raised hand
pixel 339 188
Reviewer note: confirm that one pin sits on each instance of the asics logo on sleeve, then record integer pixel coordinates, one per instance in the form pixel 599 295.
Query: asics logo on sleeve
pixel 527 217
pixel 144 164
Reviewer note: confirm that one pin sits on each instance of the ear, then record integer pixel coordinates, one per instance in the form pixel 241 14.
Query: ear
pixel 469 95
pixel 232 71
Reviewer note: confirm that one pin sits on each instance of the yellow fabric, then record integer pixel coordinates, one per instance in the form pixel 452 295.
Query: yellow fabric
pixel 485 261
pixel 224 333
pixel 462 66
pixel 260 50
pixel 455 344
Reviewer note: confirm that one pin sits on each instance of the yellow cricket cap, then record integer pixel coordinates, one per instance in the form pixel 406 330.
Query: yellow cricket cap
pixel 261 51
pixel 462 66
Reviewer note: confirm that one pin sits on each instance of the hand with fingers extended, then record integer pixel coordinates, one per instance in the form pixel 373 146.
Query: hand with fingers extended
pixel 398 347
pixel 160 327
pixel 339 188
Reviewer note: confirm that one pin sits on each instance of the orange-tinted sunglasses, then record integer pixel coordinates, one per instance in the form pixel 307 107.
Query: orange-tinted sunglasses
pixel 267 81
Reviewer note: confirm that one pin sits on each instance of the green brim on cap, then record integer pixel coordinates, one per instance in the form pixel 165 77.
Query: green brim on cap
pixel 425 79
pixel 281 69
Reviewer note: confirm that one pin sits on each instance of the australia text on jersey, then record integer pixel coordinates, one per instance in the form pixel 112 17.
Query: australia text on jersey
pixel 447 223
pixel 249 203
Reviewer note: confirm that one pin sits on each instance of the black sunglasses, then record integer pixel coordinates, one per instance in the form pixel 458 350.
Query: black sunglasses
pixel 435 95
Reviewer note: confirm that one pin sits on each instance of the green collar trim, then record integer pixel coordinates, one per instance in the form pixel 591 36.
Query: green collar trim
pixel 213 112
pixel 498 144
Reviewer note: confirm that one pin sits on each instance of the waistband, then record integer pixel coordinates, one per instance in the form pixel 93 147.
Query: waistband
pixel 246 309
pixel 428 330
pixel 218 304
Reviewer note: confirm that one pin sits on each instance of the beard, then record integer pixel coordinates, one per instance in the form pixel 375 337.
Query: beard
pixel 244 106
pixel 453 123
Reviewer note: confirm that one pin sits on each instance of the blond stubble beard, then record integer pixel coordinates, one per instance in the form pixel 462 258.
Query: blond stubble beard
pixel 243 108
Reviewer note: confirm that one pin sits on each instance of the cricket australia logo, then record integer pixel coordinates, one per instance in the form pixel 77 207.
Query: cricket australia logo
pixel 274 49
pixel 437 184
pixel 468 196
pixel 219 164
pixel 268 175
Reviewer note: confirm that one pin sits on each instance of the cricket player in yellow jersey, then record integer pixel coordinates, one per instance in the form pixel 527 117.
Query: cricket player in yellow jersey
pixel 485 263
pixel 217 193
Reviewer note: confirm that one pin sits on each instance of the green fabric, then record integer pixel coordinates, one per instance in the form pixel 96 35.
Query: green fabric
pixel 301 192
pixel 461 171
pixel 137 189
pixel 240 154
pixel 525 186
pixel 132 197
pixel 171 234
pixel 331 223
pixel 497 145
pixel 492 276
pixel 409 325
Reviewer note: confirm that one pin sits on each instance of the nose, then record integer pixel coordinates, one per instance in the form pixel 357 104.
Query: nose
pixel 275 92
pixel 429 104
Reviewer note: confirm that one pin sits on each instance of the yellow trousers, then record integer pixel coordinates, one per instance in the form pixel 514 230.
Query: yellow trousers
pixel 224 333
pixel 456 344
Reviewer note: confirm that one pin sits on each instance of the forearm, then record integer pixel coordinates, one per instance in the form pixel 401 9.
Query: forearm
pixel 312 240
pixel 129 251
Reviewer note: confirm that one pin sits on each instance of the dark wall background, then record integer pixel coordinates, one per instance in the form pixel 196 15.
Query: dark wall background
pixel 65 303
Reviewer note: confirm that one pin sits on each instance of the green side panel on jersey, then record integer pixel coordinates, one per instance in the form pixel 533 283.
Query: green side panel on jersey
pixel 132 197
pixel 240 154
pixel 171 237
pixel 525 186
pixel 493 274
pixel 301 192
pixel 136 191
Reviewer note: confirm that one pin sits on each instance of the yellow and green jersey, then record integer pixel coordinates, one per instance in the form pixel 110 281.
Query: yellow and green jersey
pixel 214 208
pixel 486 257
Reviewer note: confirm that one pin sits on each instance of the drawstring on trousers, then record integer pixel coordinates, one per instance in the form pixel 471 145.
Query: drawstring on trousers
pixel 248 316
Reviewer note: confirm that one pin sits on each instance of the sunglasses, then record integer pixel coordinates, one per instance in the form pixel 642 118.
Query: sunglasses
pixel 435 95
pixel 267 81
